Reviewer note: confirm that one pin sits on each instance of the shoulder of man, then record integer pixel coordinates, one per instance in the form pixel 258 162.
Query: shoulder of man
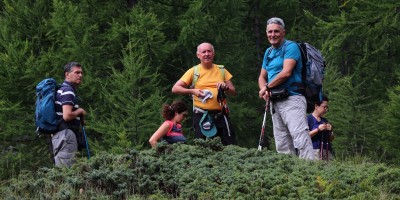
pixel 65 91
pixel 290 43
pixel 291 48
pixel 67 87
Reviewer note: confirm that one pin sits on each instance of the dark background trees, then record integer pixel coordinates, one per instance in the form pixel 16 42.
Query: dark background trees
pixel 134 51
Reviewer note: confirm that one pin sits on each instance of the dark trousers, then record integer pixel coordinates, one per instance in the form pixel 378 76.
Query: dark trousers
pixel 227 137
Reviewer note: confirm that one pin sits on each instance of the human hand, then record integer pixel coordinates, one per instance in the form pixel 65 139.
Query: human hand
pixel 82 111
pixel 222 85
pixel 329 126
pixel 322 127
pixel 198 93
pixel 263 93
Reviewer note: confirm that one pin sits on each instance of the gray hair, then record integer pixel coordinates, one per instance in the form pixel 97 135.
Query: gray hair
pixel 68 66
pixel 276 20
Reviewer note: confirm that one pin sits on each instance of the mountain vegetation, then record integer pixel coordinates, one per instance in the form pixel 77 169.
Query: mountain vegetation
pixel 206 170
pixel 132 53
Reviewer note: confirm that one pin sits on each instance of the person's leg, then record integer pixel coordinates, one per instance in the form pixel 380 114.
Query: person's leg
pixel 283 140
pixel 197 131
pixel 224 129
pixel 317 154
pixel 65 147
pixel 293 112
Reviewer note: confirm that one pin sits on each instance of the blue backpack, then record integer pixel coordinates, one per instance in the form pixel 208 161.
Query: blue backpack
pixel 45 113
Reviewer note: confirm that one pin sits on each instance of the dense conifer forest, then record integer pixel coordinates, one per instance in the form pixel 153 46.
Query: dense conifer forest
pixel 133 51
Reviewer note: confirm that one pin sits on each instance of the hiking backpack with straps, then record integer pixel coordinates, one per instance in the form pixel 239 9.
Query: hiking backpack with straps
pixel 45 113
pixel 196 73
pixel 312 74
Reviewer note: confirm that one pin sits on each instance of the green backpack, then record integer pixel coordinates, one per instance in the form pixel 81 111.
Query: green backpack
pixel 196 74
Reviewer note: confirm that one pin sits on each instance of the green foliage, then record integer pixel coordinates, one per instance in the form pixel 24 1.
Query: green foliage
pixel 360 50
pixel 354 122
pixel 131 105
pixel 391 121
pixel 132 55
pixel 206 170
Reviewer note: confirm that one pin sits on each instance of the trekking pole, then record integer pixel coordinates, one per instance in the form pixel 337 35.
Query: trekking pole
pixel 261 141
pixel 327 146
pixel 87 145
pixel 321 148
pixel 84 134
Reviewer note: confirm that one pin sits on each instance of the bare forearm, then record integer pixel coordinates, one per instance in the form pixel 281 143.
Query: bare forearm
pixel 177 89
pixel 279 79
pixel 68 116
pixel 261 82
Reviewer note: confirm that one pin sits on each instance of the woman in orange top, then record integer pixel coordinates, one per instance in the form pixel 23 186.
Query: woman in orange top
pixel 171 129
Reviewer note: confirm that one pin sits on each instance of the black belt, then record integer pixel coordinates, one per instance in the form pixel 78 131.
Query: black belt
pixel 213 112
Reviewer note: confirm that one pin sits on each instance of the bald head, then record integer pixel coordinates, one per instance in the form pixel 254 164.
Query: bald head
pixel 205 52
pixel 205 45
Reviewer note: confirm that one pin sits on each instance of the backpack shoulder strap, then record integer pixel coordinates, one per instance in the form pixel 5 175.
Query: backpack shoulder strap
pixel 269 50
pixel 195 75
pixel 222 69
pixel 304 58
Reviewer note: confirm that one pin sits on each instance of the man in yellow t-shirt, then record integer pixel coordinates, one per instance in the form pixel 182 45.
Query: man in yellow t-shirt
pixel 210 79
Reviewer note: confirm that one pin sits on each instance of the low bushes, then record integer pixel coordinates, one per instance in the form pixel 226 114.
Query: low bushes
pixel 206 170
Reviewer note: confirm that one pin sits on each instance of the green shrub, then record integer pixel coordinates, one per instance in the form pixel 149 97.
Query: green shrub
pixel 204 169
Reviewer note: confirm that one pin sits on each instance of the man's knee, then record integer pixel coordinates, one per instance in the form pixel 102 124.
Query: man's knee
pixel 302 142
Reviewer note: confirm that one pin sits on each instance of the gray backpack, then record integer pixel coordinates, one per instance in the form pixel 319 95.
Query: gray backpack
pixel 312 74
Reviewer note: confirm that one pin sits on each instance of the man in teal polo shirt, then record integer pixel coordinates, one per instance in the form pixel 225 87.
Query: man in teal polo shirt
pixel 281 69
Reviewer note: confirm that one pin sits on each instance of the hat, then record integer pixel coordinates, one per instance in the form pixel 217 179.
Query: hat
pixel 207 125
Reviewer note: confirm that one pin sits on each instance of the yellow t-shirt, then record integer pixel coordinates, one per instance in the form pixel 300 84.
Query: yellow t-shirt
pixel 207 80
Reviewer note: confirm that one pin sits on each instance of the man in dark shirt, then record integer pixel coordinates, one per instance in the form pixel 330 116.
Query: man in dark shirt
pixel 64 142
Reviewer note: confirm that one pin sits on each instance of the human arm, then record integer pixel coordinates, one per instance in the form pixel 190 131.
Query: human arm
pixel 69 114
pixel 288 66
pixel 161 131
pixel 181 87
pixel 262 81
pixel 321 127
pixel 314 132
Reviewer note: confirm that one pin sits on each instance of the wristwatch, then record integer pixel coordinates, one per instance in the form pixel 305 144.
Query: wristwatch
pixel 266 85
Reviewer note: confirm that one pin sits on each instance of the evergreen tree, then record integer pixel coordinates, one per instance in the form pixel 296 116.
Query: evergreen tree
pixel 131 104
pixel 354 121
pixel 132 96
pixel 389 137
pixel 362 47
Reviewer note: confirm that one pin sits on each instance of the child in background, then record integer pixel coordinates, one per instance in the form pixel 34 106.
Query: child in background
pixel 171 129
